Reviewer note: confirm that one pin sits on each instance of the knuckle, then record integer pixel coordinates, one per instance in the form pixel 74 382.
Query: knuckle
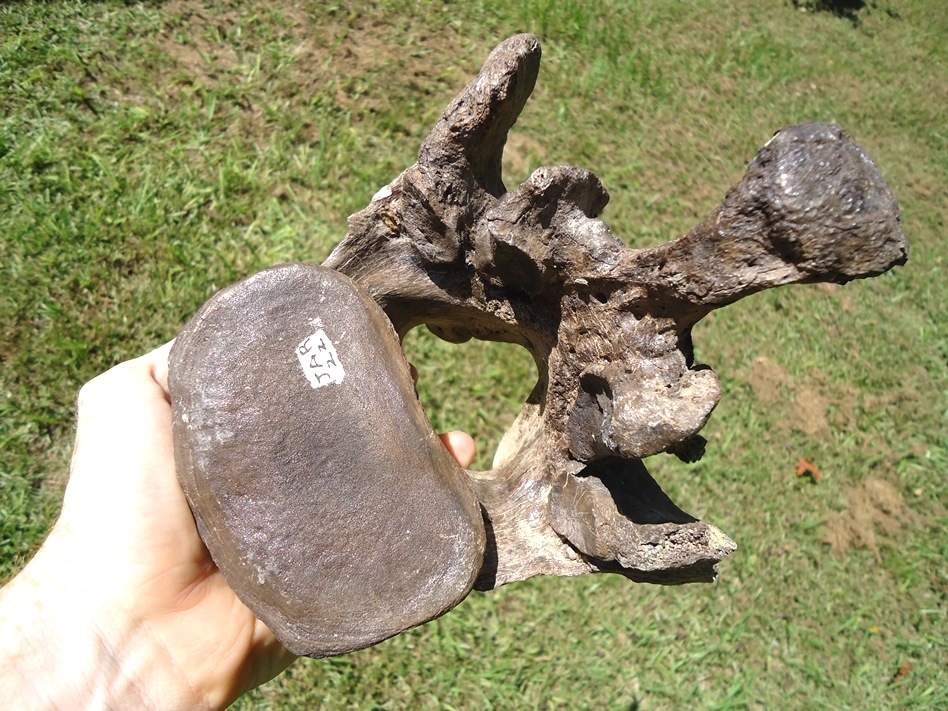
pixel 103 387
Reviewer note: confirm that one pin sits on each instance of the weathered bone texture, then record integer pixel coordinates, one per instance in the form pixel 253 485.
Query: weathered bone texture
pixel 316 481
pixel 609 327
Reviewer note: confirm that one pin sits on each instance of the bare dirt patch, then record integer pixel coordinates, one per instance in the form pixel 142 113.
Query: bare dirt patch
pixel 300 55
pixel 809 411
pixel 806 403
pixel 875 509
pixel 768 378
pixel 522 155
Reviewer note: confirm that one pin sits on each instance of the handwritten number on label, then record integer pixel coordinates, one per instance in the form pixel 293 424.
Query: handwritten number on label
pixel 322 367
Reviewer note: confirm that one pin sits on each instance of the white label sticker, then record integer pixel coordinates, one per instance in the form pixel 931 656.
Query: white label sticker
pixel 319 360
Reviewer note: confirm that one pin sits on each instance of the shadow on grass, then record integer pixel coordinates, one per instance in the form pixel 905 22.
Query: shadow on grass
pixel 847 9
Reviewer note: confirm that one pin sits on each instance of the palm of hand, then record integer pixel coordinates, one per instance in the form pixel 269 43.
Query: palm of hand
pixel 122 606
pixel 152 585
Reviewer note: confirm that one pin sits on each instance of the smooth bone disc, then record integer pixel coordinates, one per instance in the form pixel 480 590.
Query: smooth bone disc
pixel 317 483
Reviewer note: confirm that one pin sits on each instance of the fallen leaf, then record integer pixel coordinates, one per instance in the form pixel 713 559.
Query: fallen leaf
pixel 902 672
pixel 807 468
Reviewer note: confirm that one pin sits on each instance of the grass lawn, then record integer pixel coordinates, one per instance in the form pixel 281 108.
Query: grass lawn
pixel 152 153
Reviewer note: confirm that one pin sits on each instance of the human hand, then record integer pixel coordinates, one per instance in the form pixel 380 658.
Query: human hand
pixel 122 606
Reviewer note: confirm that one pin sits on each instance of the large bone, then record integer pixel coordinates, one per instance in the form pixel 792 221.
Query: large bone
pixel 609 327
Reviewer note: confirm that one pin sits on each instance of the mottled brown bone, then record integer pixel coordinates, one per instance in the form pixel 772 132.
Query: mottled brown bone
pixel 609 327
pixel 316 481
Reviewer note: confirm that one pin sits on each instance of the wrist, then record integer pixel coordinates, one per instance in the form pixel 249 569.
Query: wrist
pixel 64 648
